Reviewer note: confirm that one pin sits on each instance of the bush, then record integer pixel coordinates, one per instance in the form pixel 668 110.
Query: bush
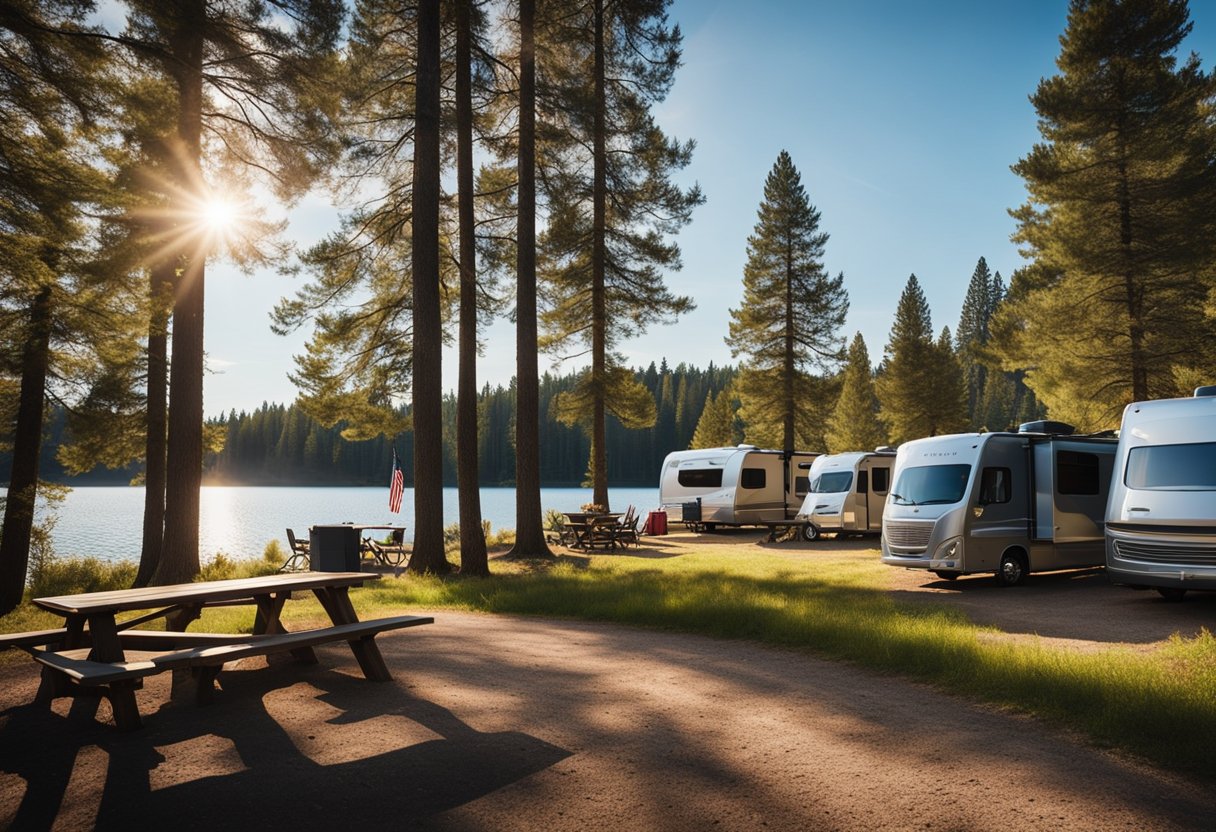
pixel 69 576
pixel 555 521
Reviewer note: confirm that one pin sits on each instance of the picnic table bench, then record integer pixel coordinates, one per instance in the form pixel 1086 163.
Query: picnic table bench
pixel 95 654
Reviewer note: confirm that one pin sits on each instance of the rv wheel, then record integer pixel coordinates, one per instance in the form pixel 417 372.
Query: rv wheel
pixel 1012 570
pixel 1171 593
pixel 810 532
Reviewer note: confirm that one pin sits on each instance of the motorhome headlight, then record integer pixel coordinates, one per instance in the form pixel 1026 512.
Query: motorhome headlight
pixel 951 550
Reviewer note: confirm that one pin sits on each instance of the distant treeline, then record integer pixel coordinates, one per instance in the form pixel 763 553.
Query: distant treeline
pixel 281 445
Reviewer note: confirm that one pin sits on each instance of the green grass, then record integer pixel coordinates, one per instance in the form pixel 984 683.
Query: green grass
pixel 1160 705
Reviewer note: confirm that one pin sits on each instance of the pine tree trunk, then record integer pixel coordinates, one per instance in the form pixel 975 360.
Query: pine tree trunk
pixel 473 560
pixel 179 561
pixel 161 280
pixel 599 199
pixel 787 420
pixel 428 554
pixel 529 528
pixel 27 445
pixel 1132 290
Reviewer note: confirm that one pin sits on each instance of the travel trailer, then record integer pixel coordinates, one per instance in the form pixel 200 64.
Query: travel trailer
pixel 1006 503
pixel 738 486
pixel 847 493
pixel 1161 519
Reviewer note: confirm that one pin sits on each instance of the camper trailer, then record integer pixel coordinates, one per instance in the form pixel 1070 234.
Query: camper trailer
pixel 738 486
pixel 847 493
pixel 1161 519
pixel 1006 503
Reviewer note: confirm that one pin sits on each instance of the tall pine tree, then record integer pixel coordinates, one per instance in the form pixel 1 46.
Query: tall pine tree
pixel 1119 221
pixel 908 381
pixel 787 326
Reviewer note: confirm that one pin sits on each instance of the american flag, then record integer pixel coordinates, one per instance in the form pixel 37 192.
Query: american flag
pixel 395 487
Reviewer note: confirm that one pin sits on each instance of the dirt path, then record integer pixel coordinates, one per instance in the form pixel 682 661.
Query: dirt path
pixel 497 723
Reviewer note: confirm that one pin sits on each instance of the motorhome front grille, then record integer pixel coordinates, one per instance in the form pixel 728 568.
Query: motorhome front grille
pixel 908 535
pixel 1194 554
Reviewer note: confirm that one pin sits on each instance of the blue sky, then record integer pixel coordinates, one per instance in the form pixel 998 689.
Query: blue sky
pixel 902 117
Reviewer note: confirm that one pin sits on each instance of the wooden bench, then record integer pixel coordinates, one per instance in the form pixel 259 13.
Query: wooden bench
pixel 207 653
pixel 36 638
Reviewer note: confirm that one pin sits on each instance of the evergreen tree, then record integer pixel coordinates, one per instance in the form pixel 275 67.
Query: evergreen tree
pixel 789 320
pixel 949 405
pixel 715 428
pixel 854 424
pixel 1119 222
pixel 907 386
pixel 612 204
pixel 972 335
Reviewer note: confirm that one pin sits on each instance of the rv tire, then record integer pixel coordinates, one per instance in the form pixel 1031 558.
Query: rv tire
pixel 810 532
pixel 710 528
pixel 946 576
pixel 1172 594
pixel 1012 569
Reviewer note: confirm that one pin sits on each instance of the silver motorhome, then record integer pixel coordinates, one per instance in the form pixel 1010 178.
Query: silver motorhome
pixel 1006 503
pixel 847 493
pixel 737 486
pixel 1161 519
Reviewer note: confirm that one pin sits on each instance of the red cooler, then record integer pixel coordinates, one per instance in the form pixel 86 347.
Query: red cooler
pixel 656 523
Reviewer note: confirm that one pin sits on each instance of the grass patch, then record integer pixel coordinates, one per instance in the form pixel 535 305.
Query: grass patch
pixel 1160 705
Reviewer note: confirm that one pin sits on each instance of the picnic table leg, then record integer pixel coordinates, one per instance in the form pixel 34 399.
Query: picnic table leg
pixel 54 684
pixel 107 648
pixel 336 601
pixel 266 622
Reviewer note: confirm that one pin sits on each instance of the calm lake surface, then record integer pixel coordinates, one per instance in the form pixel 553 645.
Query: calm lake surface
pixel 239 521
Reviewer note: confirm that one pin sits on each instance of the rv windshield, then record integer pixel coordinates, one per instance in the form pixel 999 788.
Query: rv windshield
pixel 929 484
pixel 1173 467
pixel 833 482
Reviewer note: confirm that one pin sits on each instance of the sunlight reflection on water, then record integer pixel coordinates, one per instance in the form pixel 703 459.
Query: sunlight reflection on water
pixel 240 521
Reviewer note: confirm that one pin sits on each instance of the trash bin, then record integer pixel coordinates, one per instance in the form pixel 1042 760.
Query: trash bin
pixel 656 523
pixel 334 548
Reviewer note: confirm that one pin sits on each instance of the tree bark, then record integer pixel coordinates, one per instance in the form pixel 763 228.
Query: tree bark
pixel 428 557
pixel 599 199
pixel 179 561
pixel 155 472
pixel 787 419
pixel 27 445
pixel 473 559
pixel 529 528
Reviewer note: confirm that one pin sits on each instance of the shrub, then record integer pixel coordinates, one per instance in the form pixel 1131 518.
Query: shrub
pixel 555 521
pixel 69 576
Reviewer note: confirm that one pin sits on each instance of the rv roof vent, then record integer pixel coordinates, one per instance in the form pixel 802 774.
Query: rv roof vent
pixel 746 447
pixel 1210 390
pixel 1046 426
pixel 884 449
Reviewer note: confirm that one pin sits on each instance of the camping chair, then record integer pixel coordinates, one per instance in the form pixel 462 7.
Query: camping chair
pixel 390 554
pixel 298 560
pixel 627 531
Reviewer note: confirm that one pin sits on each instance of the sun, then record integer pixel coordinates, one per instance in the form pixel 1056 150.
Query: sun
pixel 218 214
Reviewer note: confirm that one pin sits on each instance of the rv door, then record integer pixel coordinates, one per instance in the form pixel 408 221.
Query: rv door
pixel 999 508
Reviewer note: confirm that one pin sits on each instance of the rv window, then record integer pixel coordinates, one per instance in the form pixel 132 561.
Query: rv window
pixel 863 482
pixel 701 478
pixel 801 486
pixel 994 486
pixel 1173 467
pixel 1077 473
pixel 937 484
pixel 880 479
pixel 833 482
pixel 751 478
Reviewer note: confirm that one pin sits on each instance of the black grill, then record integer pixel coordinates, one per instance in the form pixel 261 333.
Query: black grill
pixel 1194 554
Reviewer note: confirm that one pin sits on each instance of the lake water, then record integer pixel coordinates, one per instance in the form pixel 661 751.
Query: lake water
pixel 239 521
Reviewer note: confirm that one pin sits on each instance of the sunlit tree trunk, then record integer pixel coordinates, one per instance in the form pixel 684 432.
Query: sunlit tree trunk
pixel 473 558
pixel 529 529
pixel 428 554
pixel 599 310
pixel 161 288
pixel 179 561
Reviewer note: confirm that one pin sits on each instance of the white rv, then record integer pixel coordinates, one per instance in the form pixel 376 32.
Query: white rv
pixel 1007 503
pixel 737 486
pixel 1161 519
pixel 847 493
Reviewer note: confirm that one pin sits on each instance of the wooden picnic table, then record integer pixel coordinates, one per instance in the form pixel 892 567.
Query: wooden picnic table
pixel 592 529
pixel 96 653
